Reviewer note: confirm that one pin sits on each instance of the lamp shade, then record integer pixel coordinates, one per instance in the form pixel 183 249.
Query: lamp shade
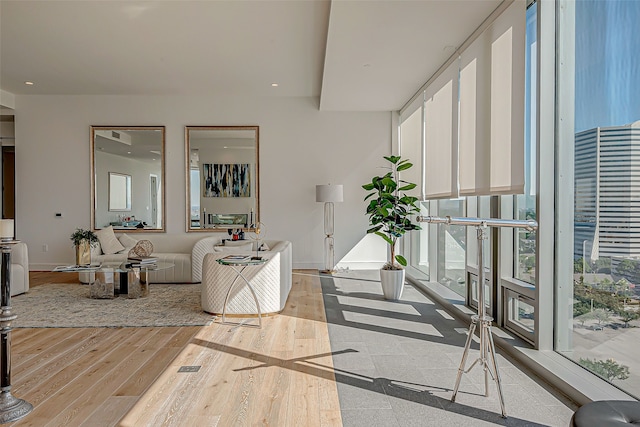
pixel 6 228
pixel 329 193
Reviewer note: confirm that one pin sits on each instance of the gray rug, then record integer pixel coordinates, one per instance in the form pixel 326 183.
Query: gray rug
pixel 67 305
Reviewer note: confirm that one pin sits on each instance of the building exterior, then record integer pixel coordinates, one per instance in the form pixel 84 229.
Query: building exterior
pixel 607 192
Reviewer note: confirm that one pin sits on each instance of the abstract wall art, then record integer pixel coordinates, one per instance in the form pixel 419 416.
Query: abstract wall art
pixel 226 180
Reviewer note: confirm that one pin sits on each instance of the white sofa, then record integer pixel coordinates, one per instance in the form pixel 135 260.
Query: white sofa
pixel 19 269
pixel 166 248
pixel 271 281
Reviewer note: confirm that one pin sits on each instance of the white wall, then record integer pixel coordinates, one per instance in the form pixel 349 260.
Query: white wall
pixel 299 148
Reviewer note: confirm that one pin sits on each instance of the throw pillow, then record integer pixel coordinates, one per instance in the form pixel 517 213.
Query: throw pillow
pixel 95 249
pixel 127 241
pixel 236 249
pixel 108 241
pixel 142 248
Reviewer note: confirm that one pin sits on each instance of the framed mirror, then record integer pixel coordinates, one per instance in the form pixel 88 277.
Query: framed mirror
pixel 127 174
pixel 222 176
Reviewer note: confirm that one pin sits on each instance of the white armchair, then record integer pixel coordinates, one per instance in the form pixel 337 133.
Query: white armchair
pixel 271 282
pixel 19 269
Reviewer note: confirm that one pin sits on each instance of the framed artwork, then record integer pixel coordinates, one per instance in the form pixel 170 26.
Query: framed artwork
pixel 226 180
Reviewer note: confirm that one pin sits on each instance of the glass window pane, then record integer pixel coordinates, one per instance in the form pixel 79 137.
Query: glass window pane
pixel 420 243
pixel 520 314
pixel 525 204
pixel 451 247
pixel 606 245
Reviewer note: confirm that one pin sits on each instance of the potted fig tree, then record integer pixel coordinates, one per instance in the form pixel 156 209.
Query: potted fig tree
pixel 82 240
pixel 390 212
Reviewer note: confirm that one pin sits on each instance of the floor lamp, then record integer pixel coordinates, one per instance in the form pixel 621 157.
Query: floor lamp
pixel 328 194
pixel 11 408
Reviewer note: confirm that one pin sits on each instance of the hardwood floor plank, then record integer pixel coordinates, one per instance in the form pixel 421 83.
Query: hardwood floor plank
pixel 273 399
pixel 132 359
pixel 59 376
pixel 280 375
pixel 44 368
pixel 112 409
pixel 139 382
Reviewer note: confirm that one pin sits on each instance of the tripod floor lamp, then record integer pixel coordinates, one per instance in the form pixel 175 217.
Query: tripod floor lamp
pixel 487 357
pixel 328 194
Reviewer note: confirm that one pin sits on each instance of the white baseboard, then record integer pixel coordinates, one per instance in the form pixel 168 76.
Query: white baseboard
pixel 44 266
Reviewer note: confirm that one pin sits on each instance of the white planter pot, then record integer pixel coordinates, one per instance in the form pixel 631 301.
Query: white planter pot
pixel 392 284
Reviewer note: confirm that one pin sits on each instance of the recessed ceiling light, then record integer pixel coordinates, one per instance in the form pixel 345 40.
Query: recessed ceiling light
pixel 128 152
pixel 225 147
pixel 29 83
pixel 274 84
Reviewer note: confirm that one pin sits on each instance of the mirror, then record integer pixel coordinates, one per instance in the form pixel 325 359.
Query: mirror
pixel 127 173
pixel 222 177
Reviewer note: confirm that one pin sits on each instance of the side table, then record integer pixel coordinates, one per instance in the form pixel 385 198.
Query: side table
pixel 239 263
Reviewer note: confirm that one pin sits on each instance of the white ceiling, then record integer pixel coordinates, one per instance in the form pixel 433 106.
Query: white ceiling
pixel 356 55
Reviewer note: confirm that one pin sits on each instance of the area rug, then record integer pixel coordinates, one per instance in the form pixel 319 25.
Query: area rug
pixel 67 305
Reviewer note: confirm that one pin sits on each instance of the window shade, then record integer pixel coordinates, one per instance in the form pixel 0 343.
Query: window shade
pixel 441 132
pixel 411 148
pixel 491 133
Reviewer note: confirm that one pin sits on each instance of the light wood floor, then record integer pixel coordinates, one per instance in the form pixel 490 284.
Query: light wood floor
pixel 280 375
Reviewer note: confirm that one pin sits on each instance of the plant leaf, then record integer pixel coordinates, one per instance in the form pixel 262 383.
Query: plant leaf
pixel 385 237
pixel 404 166
pixel 368 187
pixel 374 229
pixel 407 187
pixel 392 159
pixel 401 260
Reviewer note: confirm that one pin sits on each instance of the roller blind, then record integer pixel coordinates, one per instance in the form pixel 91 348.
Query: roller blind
pixel 441 135
pixel 411 148
pixel 491 132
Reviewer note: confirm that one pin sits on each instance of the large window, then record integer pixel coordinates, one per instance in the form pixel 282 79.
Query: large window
pixel 605 252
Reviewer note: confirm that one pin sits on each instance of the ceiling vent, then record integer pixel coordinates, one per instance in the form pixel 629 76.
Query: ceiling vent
pixel 113 135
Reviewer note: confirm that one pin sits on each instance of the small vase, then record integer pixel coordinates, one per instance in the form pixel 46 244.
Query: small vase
pixel 83 253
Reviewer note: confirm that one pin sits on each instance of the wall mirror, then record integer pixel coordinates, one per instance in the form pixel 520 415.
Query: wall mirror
pixel 127 173
pixel 222 177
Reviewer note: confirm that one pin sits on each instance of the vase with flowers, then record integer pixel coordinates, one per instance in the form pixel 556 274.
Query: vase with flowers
pixel 82 240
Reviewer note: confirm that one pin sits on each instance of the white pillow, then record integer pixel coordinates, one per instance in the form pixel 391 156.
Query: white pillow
pixel 127 241
pixel 108 241
pixel 95 249
pixel 247 247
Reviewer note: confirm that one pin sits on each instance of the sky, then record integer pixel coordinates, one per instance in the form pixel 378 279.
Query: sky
pixel 607 63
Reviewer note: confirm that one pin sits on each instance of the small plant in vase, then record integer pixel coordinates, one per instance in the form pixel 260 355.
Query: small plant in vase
pixel 390 213
pixel 82 240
